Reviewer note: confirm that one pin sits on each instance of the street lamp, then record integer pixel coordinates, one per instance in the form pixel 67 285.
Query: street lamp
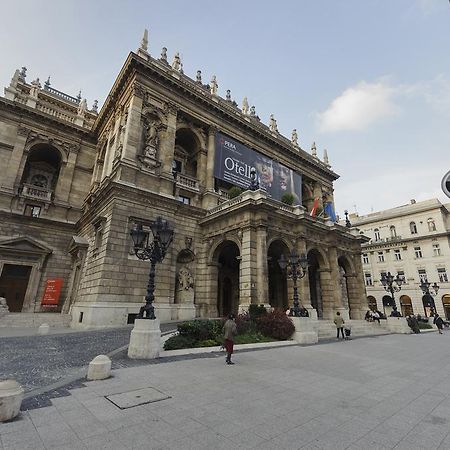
pixel 425 286
pixel 297 268
pixel 153 251
pixel 388 280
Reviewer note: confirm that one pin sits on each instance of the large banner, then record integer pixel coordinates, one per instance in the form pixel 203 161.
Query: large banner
pixel 233 162
pixel 52 292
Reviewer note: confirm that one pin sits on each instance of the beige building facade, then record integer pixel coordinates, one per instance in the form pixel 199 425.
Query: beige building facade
pixel 413 241
pixel 76 182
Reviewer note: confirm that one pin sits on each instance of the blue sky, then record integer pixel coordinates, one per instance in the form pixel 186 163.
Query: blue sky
pixel 368 80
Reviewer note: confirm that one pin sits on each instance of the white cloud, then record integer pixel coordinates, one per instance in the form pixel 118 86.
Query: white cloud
pixel 358 107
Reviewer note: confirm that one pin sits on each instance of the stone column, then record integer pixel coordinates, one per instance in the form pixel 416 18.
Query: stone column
pixel 209 199
pixel 65 177
pixel 12 172
pixel 357 290
pixel 262 275
pixel 133 130
pixel 166 152
pixel 245 270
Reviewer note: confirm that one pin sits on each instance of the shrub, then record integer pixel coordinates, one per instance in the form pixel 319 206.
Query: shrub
pixel 179 341
pixel 424 326
pixel 251 338
pixel 234 192
pixel 207 343
pixel 245 324
pixel 287 198
pixel 256 311
pixel 200 330
pixel 276 324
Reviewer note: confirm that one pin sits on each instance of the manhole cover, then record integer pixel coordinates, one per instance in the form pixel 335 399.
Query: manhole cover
pixel 138 397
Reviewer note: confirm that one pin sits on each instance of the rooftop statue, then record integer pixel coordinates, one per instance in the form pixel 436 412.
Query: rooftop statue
pixel 95 106
pixel 199 76
pixel 294 138
pixel 228 97
pixel 35 88
pixel 163 56
pixel 213 85
pixel 176 63
pixel 273 124
pixel 314 150
pixel 245 106
pixel 253 111
pixel 82 107
pixel 23 74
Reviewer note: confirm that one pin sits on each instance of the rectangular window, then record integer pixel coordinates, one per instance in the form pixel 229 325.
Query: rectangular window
pixel 401 275
pixel 436 250
pixel 418 252
pixel 365 258
pixel 32 211
pixel 185 200
pixel 380 257
pixel 442 274
pixel 368 277
pixel 397 255
pixel 422 275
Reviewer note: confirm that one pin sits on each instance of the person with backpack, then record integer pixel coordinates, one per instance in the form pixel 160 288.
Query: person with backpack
pixel 339 322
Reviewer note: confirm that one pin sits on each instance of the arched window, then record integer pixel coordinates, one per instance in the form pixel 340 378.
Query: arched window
pixel 377 234
pixel 413 227
pixel 393 231
pixel 431 224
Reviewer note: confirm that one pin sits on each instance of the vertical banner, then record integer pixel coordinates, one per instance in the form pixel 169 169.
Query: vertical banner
pixel 234 161
pixel 52 292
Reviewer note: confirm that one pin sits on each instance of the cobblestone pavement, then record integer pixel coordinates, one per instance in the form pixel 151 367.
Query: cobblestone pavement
pixel 40 361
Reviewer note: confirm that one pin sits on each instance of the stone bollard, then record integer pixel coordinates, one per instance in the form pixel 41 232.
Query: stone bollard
pixel 306 330
pixel 145 339
pixel 99 368
pixel 11 396
pixel 44 328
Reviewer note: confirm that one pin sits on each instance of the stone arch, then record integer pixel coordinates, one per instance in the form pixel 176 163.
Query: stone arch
pixel 226 277
pixel 446 305
pixel 372 303
pixel 215 247
pixel 316 265
pixel 187 151
pixel 278 284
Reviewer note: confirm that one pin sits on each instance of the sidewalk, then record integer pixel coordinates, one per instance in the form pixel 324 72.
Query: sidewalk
pixel 369 393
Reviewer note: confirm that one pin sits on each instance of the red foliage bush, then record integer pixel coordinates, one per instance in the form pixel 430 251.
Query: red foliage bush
pixel 276 324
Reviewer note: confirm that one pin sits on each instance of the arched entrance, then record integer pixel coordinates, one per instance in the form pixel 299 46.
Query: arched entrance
pixel 388 304
pixel 446 305
pixel 227 257
pixel 315 289
pixel 427 301
pixel 406 305
pixel 278 293
pixel 372 303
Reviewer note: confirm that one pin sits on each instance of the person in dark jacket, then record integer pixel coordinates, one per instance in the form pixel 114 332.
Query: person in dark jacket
pixel 229 331
pixel 438 322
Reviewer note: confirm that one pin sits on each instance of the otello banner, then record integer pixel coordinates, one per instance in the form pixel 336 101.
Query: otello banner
pixel 233 162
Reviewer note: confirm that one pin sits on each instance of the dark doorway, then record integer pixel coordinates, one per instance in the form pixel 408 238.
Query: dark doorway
pixel 278 294
pixel 13 285
pixel 228 278
pixel 315 289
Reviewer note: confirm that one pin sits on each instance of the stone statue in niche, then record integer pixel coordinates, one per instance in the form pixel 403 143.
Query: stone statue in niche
pixel 343 283
pixel 3 307
pixel 185 287
pixel 151 140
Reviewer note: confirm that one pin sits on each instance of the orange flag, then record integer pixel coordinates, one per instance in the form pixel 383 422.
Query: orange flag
pixel 314 208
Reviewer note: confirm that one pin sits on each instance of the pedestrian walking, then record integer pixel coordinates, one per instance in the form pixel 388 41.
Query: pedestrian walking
pixel 229 331
pixel 339 322
pixel 438 322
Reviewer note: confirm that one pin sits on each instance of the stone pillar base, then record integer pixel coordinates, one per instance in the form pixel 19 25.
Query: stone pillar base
pixel 398 325
pixel 11 396
pixel 306 330
pixel 145 340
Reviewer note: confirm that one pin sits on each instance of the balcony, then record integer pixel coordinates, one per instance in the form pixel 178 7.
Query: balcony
pixel 187 182
pixel 28 191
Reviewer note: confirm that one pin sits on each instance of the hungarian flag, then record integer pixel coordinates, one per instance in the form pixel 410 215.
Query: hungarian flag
pixel 314 208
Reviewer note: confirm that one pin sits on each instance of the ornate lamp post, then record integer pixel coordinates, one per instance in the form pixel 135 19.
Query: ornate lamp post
pixel 425 286
pixel 388 280
pixel 297 267
pixel 154 251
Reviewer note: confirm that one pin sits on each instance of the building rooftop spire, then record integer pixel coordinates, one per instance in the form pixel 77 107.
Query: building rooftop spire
pixel 143 48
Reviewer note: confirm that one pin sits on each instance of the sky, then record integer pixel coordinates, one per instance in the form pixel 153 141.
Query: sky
pixel 368 80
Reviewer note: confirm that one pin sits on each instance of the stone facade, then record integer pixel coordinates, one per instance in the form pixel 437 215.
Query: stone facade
pixel 412 240
pixel 151 152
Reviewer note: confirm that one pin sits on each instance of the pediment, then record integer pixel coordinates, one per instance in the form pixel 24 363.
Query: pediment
pixel 24 244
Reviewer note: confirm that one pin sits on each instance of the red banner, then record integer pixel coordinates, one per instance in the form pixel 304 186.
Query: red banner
pixel 52 292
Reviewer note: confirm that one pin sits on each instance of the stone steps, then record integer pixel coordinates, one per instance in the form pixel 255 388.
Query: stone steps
pixel 25 320
pixel 327 328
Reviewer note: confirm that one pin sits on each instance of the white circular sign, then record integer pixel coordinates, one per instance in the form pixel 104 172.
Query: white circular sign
pixel 446 184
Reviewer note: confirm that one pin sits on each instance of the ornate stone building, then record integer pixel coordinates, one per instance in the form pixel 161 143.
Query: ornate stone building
pixel 76 182
pixel 412 241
